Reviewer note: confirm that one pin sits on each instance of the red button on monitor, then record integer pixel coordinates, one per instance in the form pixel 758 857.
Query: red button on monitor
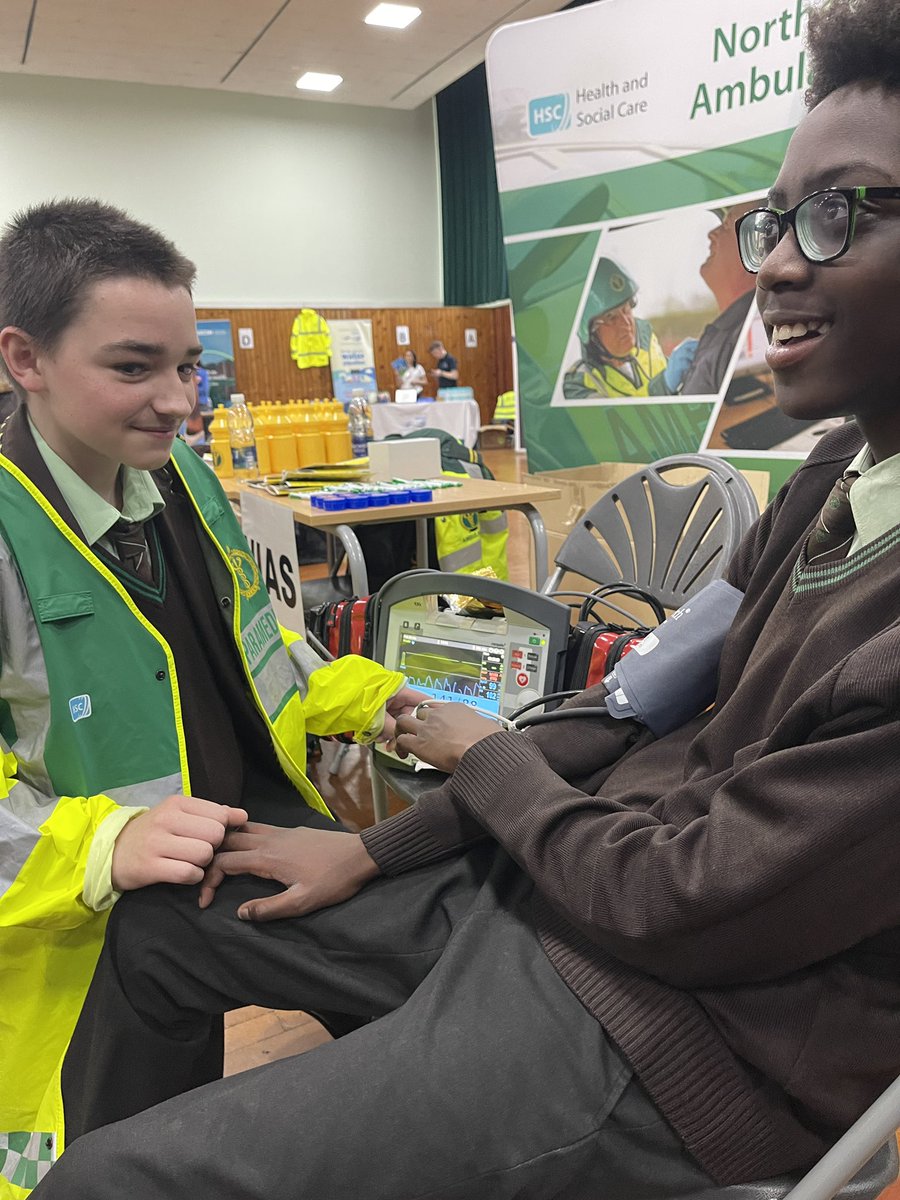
pixel 521 679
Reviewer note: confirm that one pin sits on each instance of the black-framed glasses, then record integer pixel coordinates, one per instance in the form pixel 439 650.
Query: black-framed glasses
pixel 823 224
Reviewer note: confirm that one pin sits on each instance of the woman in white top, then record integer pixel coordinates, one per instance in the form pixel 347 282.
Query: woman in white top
pixel 413 374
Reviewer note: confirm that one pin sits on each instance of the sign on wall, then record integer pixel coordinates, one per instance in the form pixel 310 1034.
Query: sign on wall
pixel 629 136
pixel 269 528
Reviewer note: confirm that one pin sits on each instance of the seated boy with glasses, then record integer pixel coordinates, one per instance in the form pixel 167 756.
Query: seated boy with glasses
pixel 606 964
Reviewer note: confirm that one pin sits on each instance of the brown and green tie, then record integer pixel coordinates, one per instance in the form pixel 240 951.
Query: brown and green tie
pixel 834 529
pixel 130 543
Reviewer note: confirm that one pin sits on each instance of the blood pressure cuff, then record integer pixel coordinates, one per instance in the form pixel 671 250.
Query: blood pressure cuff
pixel 671 675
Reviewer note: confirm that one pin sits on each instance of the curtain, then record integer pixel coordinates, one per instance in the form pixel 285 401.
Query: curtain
pixel 474 261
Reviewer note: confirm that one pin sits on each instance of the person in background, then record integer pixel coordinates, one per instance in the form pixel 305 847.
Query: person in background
pixel 724 275
pixel 192 429
pixel 446 373
pixel 202 377
pixel 410 373
pixel 149 698
pixel 621 355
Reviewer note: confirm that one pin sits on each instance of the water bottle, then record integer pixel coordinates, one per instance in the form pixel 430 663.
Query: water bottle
pixel 220 444
pixel 243 441
pixel 359 440
pixel 367 417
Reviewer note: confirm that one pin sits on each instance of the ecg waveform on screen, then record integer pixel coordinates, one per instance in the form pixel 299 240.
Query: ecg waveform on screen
pixel 437 673
pixel 446 683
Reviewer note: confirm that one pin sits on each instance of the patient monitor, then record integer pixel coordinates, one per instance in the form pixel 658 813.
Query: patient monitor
pixel 495 663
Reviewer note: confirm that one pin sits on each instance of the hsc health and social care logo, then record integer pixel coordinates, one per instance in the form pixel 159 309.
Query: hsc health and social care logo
pixel 549 114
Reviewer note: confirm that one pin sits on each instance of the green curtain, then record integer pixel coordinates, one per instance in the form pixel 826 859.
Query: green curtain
pixel 474 261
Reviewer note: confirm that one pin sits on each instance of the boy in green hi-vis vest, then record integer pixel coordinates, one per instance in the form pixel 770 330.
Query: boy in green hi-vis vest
pixel 149 700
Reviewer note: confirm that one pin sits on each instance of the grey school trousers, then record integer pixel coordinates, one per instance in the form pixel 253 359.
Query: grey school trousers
pixel 483 1076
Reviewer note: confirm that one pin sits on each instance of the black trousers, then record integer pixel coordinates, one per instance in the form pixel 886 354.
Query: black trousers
pixel 484 1076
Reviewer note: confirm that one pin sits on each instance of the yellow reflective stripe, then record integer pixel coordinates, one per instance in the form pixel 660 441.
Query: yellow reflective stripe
pixel 97 564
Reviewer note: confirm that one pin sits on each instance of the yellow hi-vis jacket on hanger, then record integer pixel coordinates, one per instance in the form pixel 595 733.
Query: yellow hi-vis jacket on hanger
pixel 310 340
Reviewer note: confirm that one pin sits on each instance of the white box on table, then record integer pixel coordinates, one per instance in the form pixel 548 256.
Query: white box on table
pixel 405 458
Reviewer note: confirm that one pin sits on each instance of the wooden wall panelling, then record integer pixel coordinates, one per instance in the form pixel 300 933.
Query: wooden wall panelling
pixel 267 372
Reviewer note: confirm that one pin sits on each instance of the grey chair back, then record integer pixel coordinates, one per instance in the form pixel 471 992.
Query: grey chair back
pixel 671 538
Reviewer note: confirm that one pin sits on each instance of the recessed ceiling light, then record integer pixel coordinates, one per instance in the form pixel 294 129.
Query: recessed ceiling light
pixel 394 16
pixel 314 81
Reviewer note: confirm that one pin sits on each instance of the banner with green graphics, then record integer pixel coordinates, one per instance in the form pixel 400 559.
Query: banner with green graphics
pixel 629 136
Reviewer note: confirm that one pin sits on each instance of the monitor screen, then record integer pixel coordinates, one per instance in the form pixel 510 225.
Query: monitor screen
pixel 468 672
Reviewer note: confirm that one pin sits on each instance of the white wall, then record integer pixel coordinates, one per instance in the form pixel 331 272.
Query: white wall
pixel 277 201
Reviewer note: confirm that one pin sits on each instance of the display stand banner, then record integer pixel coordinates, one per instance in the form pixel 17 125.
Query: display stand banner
pixel 353 360
pixel 218 358
pixel 629 136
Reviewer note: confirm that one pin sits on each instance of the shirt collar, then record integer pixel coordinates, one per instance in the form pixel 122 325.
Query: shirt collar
pixel 141 498
pixel 875 496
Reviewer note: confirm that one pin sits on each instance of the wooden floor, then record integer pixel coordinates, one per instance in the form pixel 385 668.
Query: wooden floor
pixel 259 1035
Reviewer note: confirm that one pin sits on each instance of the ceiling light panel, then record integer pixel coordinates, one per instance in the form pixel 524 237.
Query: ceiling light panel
pixel 393 16
pixel 316 81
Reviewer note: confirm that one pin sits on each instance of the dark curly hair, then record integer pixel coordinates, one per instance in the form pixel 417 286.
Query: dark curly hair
pixel 852 41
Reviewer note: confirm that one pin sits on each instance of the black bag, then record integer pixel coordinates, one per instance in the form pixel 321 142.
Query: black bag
pixel 596 644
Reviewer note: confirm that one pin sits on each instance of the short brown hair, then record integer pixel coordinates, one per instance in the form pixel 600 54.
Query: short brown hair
pixel 52 253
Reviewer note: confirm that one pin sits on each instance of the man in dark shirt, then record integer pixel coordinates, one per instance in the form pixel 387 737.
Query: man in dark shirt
pixel 724 275
pixel 446 373
pixel 605 964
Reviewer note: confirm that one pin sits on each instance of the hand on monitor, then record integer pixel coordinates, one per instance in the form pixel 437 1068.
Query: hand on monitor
pixel 441 733
pixel 402 704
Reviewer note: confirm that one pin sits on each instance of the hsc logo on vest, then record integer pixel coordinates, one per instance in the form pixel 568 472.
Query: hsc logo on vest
pixel 80 707
pixel 549 114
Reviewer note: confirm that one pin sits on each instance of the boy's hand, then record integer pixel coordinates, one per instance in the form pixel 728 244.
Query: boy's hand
pixel 401 704
pixel 318 867
pixel 440 733
pixel 172 843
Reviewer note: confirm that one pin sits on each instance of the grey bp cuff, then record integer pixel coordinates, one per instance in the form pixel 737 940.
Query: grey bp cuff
pixel 671 675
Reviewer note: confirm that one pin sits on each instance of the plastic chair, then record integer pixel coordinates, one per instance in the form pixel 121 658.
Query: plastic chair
pixel 859 1166
pixel 672 539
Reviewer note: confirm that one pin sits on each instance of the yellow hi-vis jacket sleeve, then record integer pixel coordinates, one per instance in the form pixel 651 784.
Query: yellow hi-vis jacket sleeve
pixel 49 943
pixel 341 696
